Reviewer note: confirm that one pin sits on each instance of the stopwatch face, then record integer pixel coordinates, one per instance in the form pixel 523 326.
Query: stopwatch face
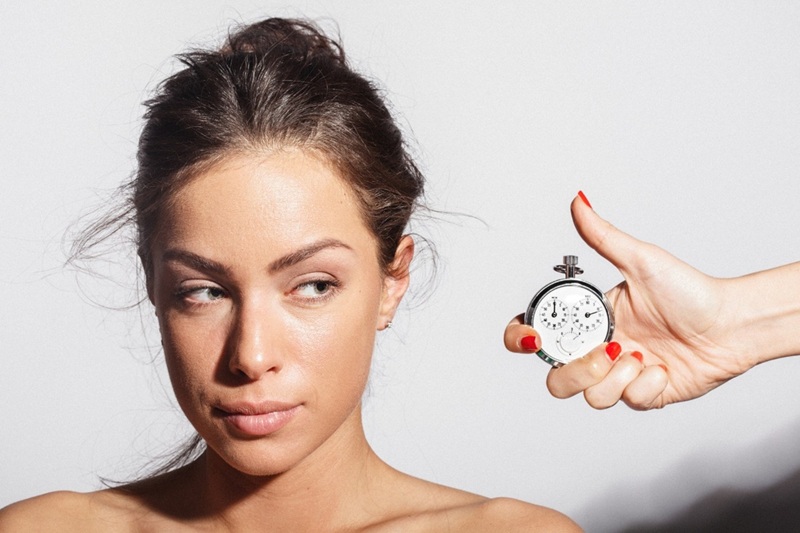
pixel 572 317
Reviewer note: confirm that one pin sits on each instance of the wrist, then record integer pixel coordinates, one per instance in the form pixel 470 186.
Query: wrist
pixel 765 310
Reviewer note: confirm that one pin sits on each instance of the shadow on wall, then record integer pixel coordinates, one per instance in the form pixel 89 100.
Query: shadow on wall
pixel 775 509
pixel 751 488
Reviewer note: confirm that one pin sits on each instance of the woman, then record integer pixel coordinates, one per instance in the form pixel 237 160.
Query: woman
pixel 270 201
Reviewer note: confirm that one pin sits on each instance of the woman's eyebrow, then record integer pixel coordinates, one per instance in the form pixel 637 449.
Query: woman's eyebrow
pixel 304 253
pixel 204 264
pixel 195 261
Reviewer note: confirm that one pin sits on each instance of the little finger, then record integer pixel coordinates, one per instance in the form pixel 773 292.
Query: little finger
pixel 609 391
pixel 645 391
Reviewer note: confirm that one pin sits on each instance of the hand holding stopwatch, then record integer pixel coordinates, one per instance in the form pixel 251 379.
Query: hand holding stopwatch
pixel 572 316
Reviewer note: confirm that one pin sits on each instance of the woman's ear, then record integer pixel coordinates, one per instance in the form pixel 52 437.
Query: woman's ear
pixel 396 281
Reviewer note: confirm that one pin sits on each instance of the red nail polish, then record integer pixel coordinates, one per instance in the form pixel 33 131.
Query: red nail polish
pixel 583 197
pixel 613 350
pixel 639 356
pixel 529 343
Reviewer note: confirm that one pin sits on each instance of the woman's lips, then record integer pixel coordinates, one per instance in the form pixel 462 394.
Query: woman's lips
pixel 257 420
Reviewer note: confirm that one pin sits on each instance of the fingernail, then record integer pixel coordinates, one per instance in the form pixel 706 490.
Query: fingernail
pixel 529 343
pixel 613 350
pixel 639 356
pixel 583 197
pixel 664 367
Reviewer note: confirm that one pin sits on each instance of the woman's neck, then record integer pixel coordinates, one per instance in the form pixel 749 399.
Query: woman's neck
pixel 326 488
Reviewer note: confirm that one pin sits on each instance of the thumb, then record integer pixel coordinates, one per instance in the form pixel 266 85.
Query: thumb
pixel 619 248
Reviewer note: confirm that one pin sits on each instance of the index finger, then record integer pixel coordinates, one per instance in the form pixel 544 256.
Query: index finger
pixel 520 337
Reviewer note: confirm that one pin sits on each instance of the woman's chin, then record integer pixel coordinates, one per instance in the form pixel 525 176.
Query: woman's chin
pixel 254 461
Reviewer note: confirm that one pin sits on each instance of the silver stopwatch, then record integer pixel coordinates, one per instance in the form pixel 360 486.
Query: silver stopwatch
pixel 572 316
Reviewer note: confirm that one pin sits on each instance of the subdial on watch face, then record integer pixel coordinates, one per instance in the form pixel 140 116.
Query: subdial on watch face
pixel 553 313
pixel 588 314
pixel 569 341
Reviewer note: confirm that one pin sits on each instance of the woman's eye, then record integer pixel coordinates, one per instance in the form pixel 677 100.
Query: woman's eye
pixel 316 289
pixel 202 295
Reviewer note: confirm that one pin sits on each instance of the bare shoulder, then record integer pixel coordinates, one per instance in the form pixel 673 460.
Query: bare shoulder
pixel 63 511
pixel 439 508
pixel 56 511
pixel 500 514
pixel 507 514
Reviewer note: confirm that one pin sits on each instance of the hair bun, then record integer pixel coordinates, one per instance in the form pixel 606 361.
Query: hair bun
pixel 301 37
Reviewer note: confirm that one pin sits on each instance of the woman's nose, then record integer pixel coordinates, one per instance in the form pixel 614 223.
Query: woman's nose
pixel 252 352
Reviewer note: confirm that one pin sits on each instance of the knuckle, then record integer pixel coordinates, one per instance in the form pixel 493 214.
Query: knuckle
pixel 597 400
pixel 595 370
pixel 637 401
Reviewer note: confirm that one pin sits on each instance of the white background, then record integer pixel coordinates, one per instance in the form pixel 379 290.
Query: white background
pixel 680 120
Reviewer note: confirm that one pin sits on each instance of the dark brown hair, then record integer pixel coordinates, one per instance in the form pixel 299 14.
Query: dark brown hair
pixel 274 84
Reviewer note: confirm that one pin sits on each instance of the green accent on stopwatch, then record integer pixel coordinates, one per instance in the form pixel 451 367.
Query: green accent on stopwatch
pixel 546 358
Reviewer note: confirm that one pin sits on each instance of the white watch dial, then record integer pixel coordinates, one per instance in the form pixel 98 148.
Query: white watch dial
pixel 554 313
pixel 588 314
pixel 572 317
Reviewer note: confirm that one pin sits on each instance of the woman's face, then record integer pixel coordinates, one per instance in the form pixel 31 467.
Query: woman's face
pixel 268 292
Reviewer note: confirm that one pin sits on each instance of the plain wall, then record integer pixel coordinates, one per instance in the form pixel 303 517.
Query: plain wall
pixel 680 120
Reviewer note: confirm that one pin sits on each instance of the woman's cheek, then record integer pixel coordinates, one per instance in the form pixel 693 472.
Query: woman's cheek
pixel 331 346
pixel 192 351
